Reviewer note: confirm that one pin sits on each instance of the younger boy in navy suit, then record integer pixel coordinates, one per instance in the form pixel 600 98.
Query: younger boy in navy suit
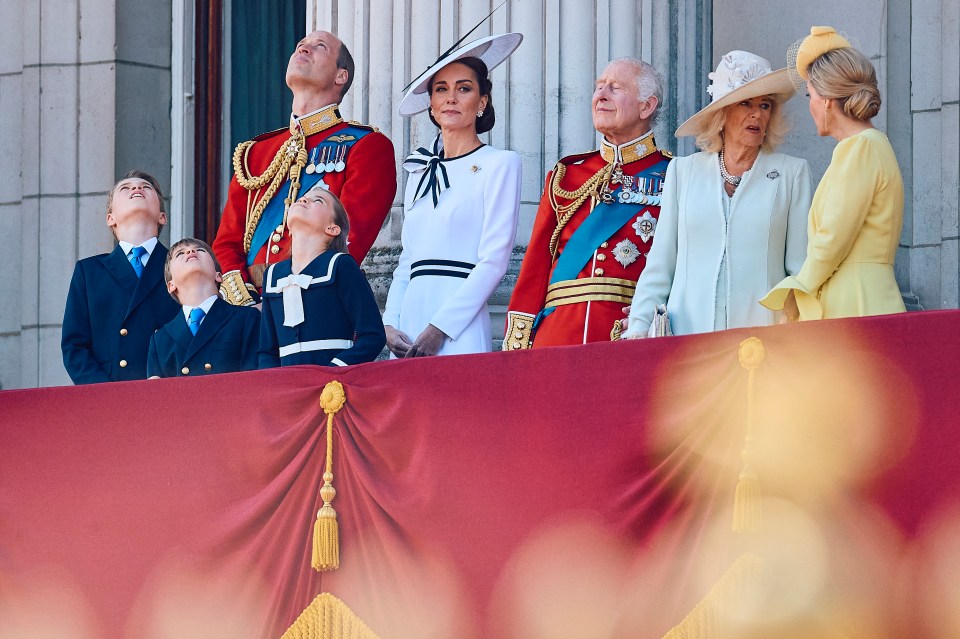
pixel 317 306
pixel 210 335
pixel 117 300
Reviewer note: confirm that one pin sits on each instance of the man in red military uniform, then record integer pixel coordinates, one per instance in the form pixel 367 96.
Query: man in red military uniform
pixel 596 221
pixel 352 160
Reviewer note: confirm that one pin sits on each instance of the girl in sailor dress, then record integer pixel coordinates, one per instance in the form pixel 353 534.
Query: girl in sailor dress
pixel 461 206
pixel 317 306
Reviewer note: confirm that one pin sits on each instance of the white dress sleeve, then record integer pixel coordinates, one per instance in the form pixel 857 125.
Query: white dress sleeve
pixel 501 210
pixel 401 278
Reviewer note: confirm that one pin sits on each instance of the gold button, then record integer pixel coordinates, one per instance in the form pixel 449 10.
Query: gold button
pixel 280 229
pixel 601 257
pixel 185 370
pixel 521 325
pixel 123 332
pixel 274 249
pixel 123 363
pixel 516 345
pixel 604 245
pixel 598 271
pixel 208 367
pixel 518 335
pixel 276 237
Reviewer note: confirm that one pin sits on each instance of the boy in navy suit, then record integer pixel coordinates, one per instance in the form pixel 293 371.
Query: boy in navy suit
pixel 210 335
pixel 317 306
pixel 117 300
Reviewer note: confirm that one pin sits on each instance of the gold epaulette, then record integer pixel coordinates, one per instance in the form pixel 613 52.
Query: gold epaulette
pixel 269 134
pixel 577 157
pixel 360 125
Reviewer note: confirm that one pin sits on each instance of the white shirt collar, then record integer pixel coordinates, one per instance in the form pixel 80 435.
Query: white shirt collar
pixel 205 305
pixel 148 245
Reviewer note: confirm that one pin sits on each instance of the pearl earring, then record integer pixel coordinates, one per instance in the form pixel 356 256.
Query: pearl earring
pixel 479 114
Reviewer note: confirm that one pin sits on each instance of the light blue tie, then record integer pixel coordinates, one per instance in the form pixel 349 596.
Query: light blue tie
pixel 136 253
pixel 196 315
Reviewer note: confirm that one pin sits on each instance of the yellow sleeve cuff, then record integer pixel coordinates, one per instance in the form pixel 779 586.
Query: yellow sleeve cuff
pixel 808 303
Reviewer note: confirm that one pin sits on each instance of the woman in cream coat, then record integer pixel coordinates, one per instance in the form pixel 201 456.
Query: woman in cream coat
pixel 733 217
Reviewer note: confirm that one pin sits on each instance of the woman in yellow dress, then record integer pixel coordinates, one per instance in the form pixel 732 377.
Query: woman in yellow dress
pixel 857 211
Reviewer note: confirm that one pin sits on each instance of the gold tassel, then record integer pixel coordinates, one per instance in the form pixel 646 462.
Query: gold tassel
pixel 326 530
pixel 747 511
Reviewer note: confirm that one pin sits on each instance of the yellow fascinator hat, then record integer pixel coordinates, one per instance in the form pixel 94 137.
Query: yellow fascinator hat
pixel 820 40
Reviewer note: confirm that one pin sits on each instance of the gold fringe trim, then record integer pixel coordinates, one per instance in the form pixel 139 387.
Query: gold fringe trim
pixel 326 531
pixel 706 620
pixel 328 618
pixel 747 512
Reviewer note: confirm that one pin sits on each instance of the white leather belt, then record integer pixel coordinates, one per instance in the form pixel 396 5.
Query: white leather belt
pixel 316 345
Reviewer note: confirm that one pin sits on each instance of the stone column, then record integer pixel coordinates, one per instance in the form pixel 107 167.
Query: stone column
pixel 542 94
pixel 88 87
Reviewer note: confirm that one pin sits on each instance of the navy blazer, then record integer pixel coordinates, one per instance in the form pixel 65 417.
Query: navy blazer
pixel 226 342
pixel 341 325
pixel 111 315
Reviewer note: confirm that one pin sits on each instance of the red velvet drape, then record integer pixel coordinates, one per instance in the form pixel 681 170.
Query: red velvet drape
pixel 509 495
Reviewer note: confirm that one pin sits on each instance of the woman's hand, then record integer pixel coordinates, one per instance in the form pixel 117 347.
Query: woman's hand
pixel 428 343
pixel 790 310
pixel 397 341
pixel 624 323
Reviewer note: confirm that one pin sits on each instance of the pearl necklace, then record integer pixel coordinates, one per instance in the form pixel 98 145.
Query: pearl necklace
pixel 729 179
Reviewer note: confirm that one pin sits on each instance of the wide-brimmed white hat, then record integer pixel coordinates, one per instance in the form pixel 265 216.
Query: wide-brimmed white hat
pixel 492 50
pixel 739 76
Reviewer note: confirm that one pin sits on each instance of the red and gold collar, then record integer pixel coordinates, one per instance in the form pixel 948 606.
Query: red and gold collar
pixel 319 120
pixel 629 152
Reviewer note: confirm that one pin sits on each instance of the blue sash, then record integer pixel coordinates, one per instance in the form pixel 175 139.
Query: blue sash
pixel 273 213
pixel 605 220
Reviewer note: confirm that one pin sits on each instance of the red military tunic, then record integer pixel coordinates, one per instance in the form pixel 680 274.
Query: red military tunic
pixel 366 186
pixel 584 308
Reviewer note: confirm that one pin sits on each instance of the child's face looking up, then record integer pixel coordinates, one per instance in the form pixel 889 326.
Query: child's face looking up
pixel 134 200
pixel 313 214
pixel 191 262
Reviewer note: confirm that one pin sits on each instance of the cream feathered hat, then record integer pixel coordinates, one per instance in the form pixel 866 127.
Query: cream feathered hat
pixel 739 76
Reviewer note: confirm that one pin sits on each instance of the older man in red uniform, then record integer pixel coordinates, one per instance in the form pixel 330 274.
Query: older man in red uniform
pixel 352 160
pixel 596 221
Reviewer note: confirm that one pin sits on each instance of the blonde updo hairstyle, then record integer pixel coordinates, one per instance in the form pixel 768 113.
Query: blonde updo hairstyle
pixel 846 75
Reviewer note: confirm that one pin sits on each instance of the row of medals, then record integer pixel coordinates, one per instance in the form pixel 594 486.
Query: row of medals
pixel 329 160
pixel 647 192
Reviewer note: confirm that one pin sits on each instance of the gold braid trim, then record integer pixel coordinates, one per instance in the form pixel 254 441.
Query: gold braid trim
pixel 328 618
pixel 290 159
pixel 591 187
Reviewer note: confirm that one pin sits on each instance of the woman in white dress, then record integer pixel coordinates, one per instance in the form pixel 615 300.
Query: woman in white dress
pixel 461 206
